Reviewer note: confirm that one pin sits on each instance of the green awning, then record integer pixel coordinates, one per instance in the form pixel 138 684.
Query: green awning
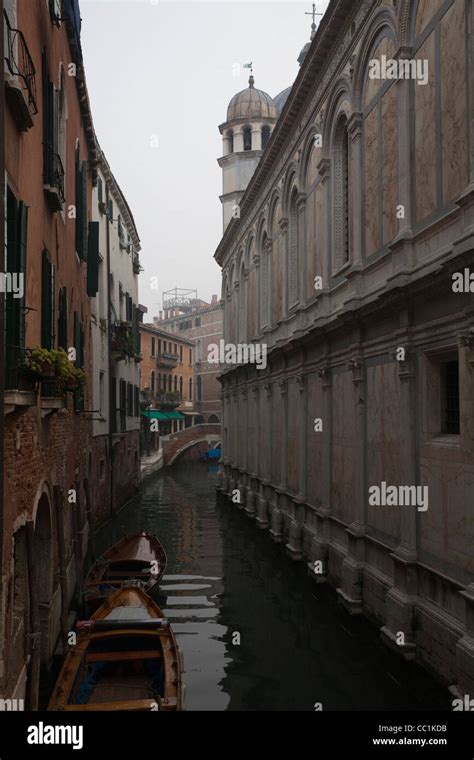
pixel 155 414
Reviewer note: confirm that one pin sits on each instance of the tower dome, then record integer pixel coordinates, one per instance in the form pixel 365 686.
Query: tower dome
pixel 251 104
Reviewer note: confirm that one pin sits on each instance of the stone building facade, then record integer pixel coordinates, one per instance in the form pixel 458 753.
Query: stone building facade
pixel 203 325
pixel 50 167
pixel 357 217
pixel 115 460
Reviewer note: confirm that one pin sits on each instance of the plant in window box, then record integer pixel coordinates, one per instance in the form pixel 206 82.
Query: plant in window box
pixel 40 362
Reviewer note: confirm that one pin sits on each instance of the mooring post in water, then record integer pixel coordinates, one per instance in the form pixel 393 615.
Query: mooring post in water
pixel 78 558
pixel 89 515
pixel 59 511
pixel 34 634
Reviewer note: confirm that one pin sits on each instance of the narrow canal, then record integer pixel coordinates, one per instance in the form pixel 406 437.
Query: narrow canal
pixel 298 647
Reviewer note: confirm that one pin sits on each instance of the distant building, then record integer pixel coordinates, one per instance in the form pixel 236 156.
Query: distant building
pixel 203 323
pixel 167 378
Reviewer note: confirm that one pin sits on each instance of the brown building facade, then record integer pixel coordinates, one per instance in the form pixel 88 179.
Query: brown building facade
pixel 50 170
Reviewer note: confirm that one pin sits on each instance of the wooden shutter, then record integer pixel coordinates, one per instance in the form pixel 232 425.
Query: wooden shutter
pixel 47 302
pixel 62 319
pixel 78 204
pixel 113 404
pixel 77 337
pixel 99 190
pixel 93 259
pixel 136 394
pixel 21 268
pixel 48 122
pixel 83 254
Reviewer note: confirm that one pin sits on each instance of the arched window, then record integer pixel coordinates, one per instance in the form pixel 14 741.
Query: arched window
pixel 213 418
pixel 198 388
pixel 181 387
pixel 265 135
pixel 176 382
pixel 293 252
pixel 170 383
pixel 159 382
pixel 247 138
pixel 230 142
pixel 190 388
pixel 199 351
pixel 152 381
pixel 341 193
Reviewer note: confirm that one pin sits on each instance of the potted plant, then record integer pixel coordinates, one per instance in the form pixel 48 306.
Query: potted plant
pixel 40 362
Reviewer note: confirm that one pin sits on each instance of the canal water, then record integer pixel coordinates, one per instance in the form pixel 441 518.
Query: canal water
pixel 227 582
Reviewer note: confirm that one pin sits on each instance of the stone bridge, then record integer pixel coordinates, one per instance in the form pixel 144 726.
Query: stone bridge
pixel 177 443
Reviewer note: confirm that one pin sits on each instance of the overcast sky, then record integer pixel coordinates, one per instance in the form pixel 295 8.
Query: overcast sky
pixel 163 71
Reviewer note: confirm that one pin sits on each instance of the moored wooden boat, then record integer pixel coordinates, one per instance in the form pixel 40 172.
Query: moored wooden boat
pixel 139 557
pixel 125 658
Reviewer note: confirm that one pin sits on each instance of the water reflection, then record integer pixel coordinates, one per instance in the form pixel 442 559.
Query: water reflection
pixel 227 582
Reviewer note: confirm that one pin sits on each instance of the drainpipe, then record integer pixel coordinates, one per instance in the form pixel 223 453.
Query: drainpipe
pixel 2 351
pixel 112 410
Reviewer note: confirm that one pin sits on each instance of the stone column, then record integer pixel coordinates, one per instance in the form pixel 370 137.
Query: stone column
pixel 295 543
pixel 302 253
pixel 284 259
pixel 320 543
pixel 400 598
pixel 257 137
pixel 356 211
pixel 350 593
pixel 238 140
pixel 324 171
pixel 405 163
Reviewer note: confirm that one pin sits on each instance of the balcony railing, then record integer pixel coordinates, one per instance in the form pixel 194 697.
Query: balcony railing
pixel 20 63
pixel 54 177
pixel 164 359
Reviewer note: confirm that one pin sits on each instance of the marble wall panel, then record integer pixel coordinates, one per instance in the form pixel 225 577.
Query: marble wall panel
pixel 343 454
pixel 453 102
pixel 425 136
pixel 383 444
pixel 425 12
pixel 390 163
pixel 372 192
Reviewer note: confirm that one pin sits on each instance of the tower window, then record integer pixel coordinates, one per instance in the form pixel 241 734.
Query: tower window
pixel 265 136
pixel 247 138
pixel 230 143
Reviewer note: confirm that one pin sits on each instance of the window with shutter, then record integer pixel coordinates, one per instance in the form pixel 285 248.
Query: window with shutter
pixel 136 392
pixel 62 319
pixel 129 399
pixel 99 190
pixel 93 259
pixel 83 254
pixel 79 228
pixel 113 404
pixel 47 303
pixel 14 313
pixel 123 405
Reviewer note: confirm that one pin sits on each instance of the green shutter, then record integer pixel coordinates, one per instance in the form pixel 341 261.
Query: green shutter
pixel 99 190
pixel 93 259
pixel 113 404
pixel 78 205
pixel 11 304
pixel 110 210
pixel 62 319
pixel 77 337
pixel 47 302
pixel 22 251
pixel 83 254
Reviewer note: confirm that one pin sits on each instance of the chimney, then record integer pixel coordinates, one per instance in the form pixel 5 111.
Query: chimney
pixel 214 300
